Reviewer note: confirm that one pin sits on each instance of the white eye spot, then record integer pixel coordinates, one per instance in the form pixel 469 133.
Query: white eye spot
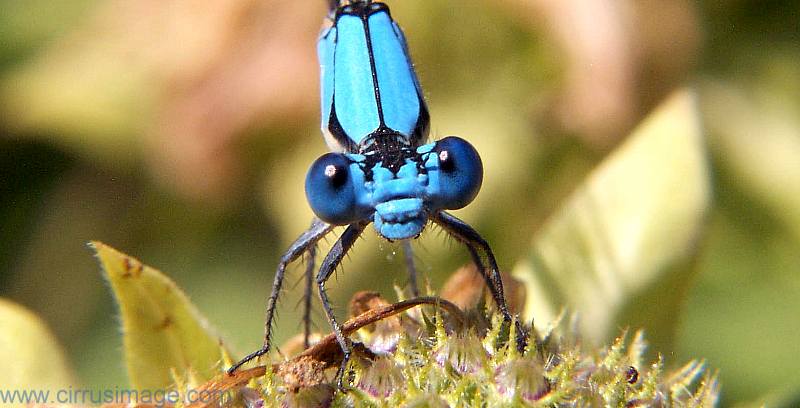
pixel 444 155
pixel 330 171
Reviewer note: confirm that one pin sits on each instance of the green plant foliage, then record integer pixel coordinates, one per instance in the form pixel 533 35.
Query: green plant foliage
pixel 162 331
pixel 30 356
pixel 455 367
pixel 629 232
pixel 401 359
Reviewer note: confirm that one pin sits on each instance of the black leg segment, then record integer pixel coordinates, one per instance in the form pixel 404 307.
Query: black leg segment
pixel 306 242
pixel 307 293
pixel 478 246
pixel 332 260
pixel 408 254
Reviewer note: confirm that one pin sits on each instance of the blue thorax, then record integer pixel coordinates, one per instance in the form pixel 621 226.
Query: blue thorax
pixel 368 83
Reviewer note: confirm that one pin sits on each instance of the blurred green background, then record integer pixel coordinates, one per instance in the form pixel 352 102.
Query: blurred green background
pixel 180 133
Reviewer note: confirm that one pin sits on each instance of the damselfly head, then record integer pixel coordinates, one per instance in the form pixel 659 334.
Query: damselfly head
pixel 395 185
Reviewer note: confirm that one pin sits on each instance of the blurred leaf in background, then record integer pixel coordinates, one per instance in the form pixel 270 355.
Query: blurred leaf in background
pixel 619 252
pixel 29 353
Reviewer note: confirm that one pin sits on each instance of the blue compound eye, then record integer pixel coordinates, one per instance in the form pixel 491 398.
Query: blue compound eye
pixel 329 190
pixel 460 172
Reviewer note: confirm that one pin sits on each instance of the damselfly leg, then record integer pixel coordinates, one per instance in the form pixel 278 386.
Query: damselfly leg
pixel 329 264
pixel 307 293
pixel 305 242
pixel 408 257
pixel 476 245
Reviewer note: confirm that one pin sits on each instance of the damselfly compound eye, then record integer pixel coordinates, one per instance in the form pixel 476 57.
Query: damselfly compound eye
pixel 329 189
pixel 460 173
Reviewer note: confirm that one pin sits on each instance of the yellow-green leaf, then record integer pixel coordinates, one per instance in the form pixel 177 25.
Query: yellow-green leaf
pixel 619 252
pixel 30 356
pixel 162 330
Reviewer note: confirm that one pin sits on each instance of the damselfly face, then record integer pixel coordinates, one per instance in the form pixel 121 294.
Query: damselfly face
pixel 397 187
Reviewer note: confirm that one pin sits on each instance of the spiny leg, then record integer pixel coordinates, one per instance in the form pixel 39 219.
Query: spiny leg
pixel 311 255
pixel 408 253
pixel 309 281
pixel 302 244
pixel 465 234
pixel 332 260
